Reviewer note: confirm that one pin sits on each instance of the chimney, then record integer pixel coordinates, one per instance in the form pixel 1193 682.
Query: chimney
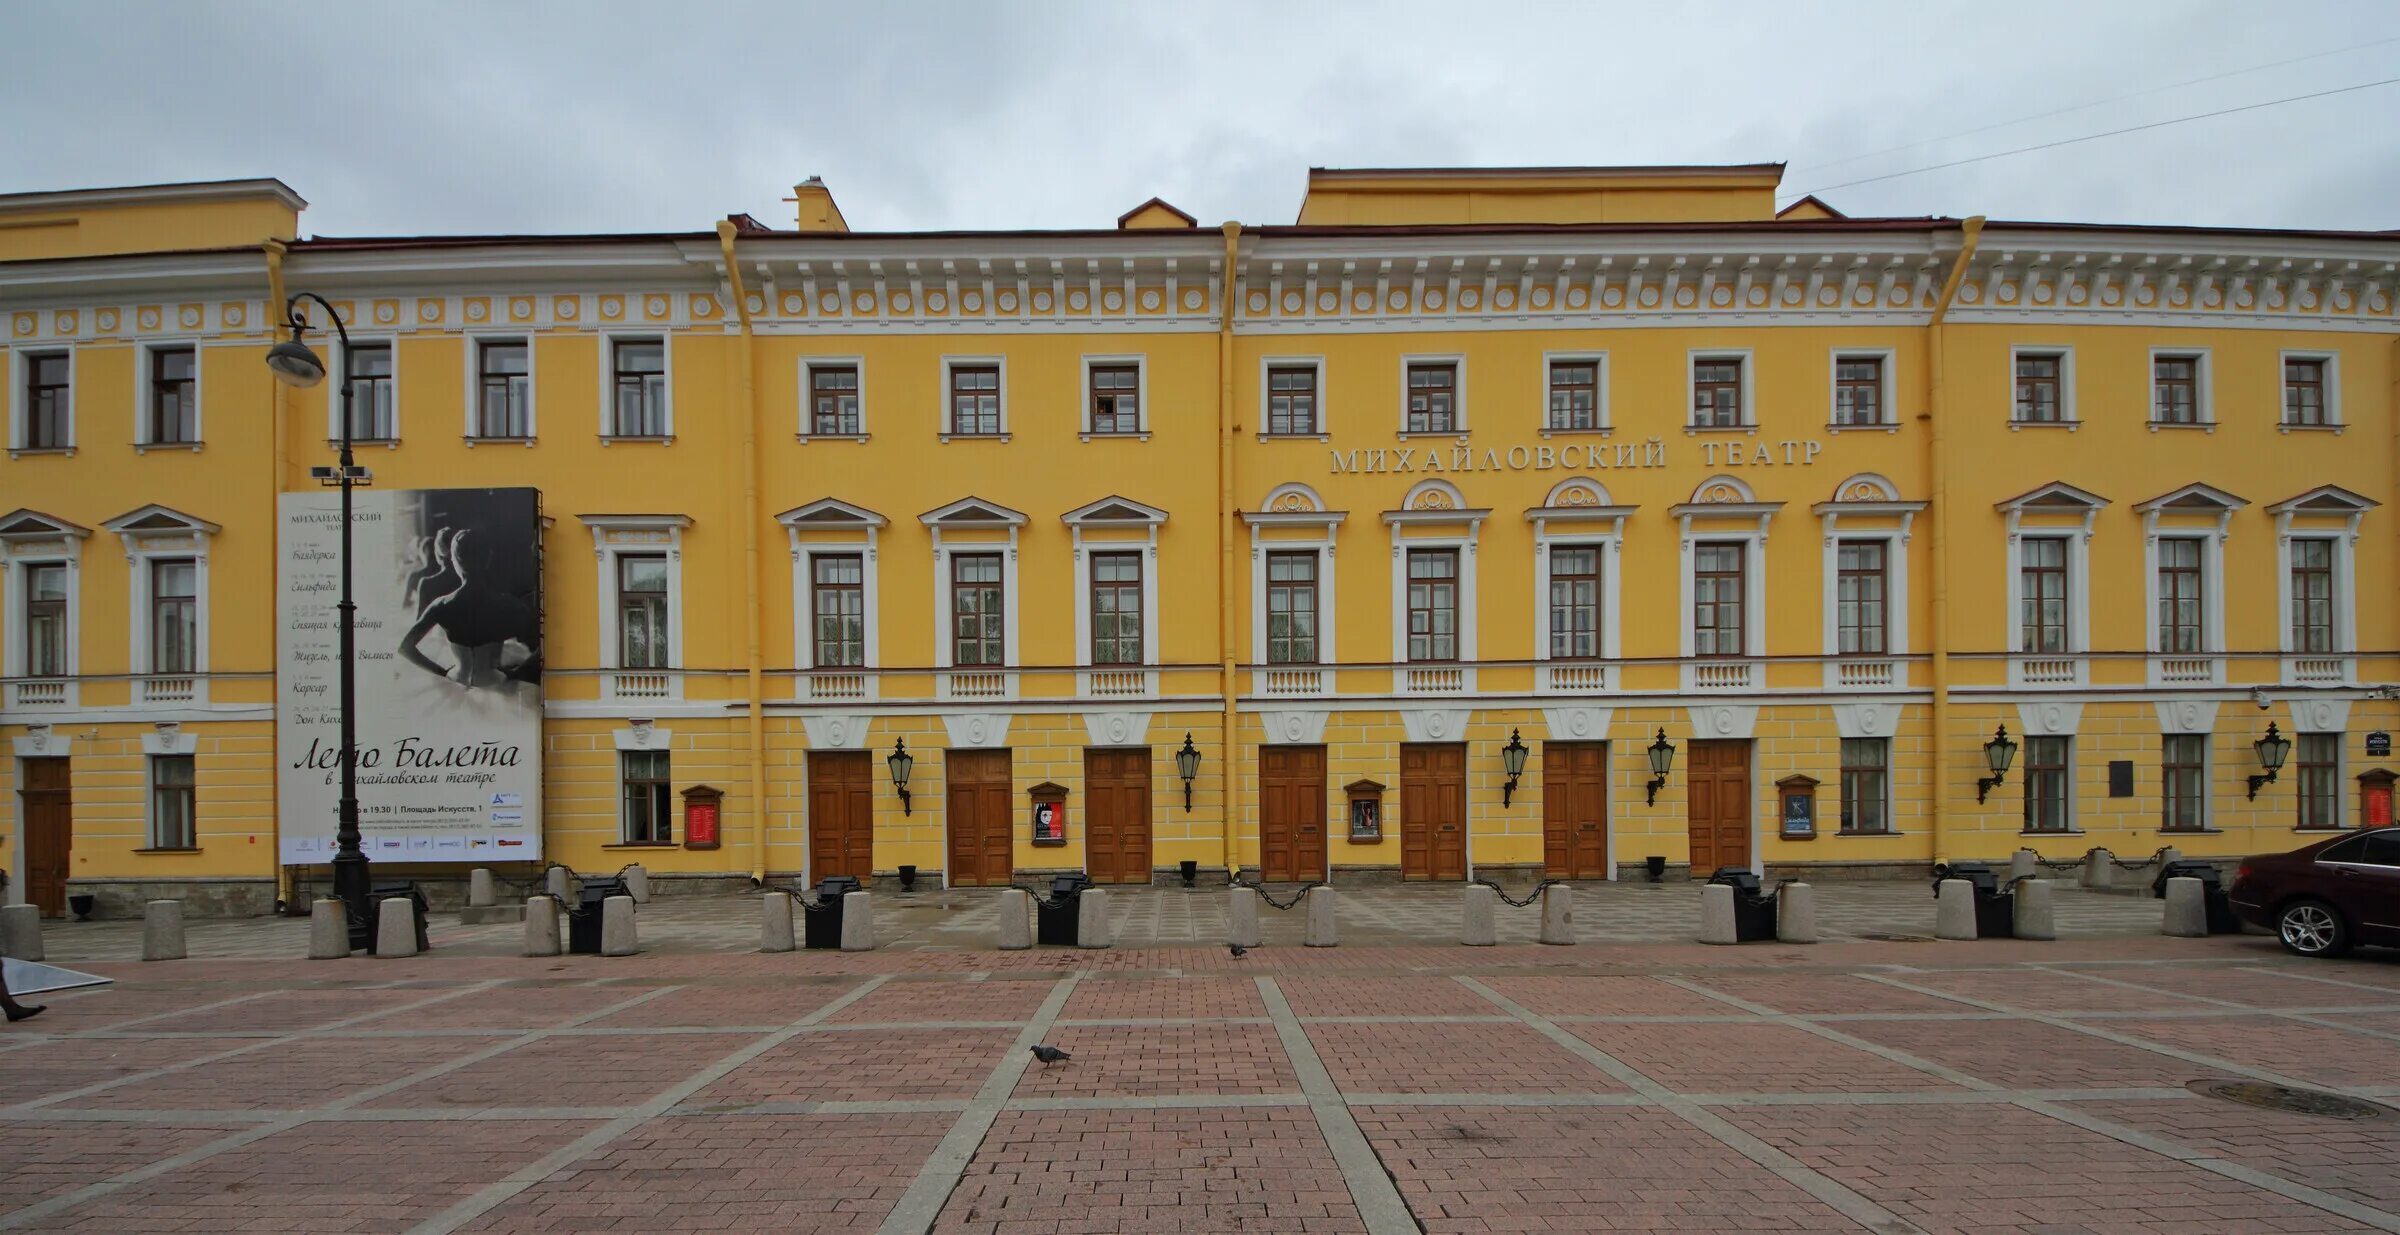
pixel 816 210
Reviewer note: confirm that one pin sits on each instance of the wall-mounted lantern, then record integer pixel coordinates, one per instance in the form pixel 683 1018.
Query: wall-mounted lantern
pixel 1997 755
pixel 2272 750
pixel 1187 765
pixel 1512 761
pixel 901 764
pixel 1662 757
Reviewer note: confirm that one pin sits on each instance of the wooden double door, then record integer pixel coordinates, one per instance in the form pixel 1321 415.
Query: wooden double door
pixel 1116 826
pixel 1719 805
pixel 1433 810
pixel 841 814
pixel 1575 810
pixel 977 798
pixel 48 811
pixel 1291 813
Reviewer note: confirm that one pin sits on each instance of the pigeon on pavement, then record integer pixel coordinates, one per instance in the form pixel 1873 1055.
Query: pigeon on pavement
pixel 1049 1054
pixel 1237 949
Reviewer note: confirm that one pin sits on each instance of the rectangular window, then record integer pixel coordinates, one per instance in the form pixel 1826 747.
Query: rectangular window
pixel 639 402
pixel 174 616
pixel 1574 394
pixel 2304 393
pixel 839 598
pixel 642 611
pixel 978 615
pixel 1859 599
pixel 649 790
pixel 1291 400
pixel 2038 388
pixel 2312 594
pixel 171 802
pixel 2042 593
pixel 1116 608
pixel 2183 782
pixel 975 400
pixel 174 396
pixel 833 401
pixel 1866 784
pixel 1432 604
pixel 373 417
pixel 48 402
pixel 1574 602
pixel 1858 390
pixel 1719 590
pixel 1717 393
pixel 503 389
pixel 2046 771
pixel 2319 759
pixel 2175 390
pixel 45 620
pixel 1116 398
pixel 2180 627
pixel 1291 608
pixel 1433 398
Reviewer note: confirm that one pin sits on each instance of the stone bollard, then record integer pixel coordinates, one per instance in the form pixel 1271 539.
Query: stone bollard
pixel 1241 918
pixel 2097 873
pixel 1016 920
pixel 1716 914
pixel 558 882
pixel 162 931
pixel 395 927
pixel 2035 918
pixel 1796 914
pixel 775 923
pixel 483 902
pixel 1091 920
pixel 1319 932
pixel 858 921
pixel 2022 864
pixel 541 926
pixel 617 936
pixel 1954 910
pixel 21 932
pixel 479 888
pixel 637 883
pixel 2168 855
pixel 2187 909
pixel 1479 907
pixel 1558 914
pixel 329 929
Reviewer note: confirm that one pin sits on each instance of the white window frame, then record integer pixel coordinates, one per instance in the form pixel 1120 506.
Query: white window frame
pixel 2068 501
pixel 1754 588
pixel 144 548
pixel 619 536
pixel 2212 595
pixel 20 428
pixel 168 741
pixel 1011 591
pixel 1141 377
pixel 943 424
pixel 142 382
pixel 476 340
pixel 1327 524
pixel 2204 393
pixel 1603 426
pixel 1891 826
pixel 860 522
pixel 1753 538
pixel 1595 523
pixel 66 552
pixel 609 341
pixel 2345 600
pixel 1267 365
pixel 1744 356
pixel 808 408
pixel 1078 521
pixel 2333 390
pixel 2208 772
pixel 2025 785
pixel 336 373
pixel 1458 394
pixel 650 742
pixel 1888 360
pixel 2068 416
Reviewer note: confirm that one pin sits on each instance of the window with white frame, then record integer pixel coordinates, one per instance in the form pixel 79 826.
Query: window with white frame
pixel 2183 782
pixel 978 610
pixel 834 595
pixel 2311 395
pixel 45 400
pixel 1575 600
pixel 1861 388
pixel 2042 583
pixel 1434 401
pixel 2312 595
pixel 1866 786
pixel 503 401
pixel 975 593
pixel 1720 391
pixel 1578 393
pixel 638 404
pixel 640 600
pixel 1115 396
pixel 1291 605
pixel 372 382
pixel 2044 386
pixel 2179 389
pixel 174 615
pixel 1862 579
pixel 2049 773
pixel 2182 595
pixel 1432 605
pixel 45 615
pixel 647 795
pixel 1117 608
pixel 1720 598
pixel 174 813
pixel 835 390
pixel 974 399
pixel 1292 393
pixel 642 593
pixel 838 606
pixel 2318 758
pixel 170 396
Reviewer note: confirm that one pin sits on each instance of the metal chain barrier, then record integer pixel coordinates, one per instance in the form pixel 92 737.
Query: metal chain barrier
pixel 1269 897
pixel 1046 902
pixel 2069 865
pixel 1530 897
pixel 2154 859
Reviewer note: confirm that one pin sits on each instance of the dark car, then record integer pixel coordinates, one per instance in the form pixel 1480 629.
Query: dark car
pixel 2323 898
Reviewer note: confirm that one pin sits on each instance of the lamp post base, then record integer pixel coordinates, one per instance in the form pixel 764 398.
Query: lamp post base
pixel 354 888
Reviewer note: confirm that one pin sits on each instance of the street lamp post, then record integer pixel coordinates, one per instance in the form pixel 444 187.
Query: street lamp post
pixel 295 364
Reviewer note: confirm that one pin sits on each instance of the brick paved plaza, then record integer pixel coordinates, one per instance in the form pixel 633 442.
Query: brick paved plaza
pixel 1386 1085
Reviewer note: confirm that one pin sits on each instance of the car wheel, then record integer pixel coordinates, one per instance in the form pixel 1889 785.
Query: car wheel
pixel 2312 928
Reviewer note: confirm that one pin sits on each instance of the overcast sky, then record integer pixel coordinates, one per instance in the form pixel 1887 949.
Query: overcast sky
pixel 420 117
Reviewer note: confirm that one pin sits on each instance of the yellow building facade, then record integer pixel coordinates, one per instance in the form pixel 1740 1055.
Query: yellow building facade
pixel 1599 469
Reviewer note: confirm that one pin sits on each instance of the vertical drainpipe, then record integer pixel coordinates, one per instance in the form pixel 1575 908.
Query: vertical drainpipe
pixel 1936 468
pixel 750 518
pixel 279 400
pixel 1227 743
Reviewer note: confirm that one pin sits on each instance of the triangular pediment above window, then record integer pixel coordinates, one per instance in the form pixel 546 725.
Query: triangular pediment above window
pixel 2057 495
pixel 157 520
pixel 2195 499
pixel 23 524
pixel 1114 511
pixel 830 512
pixel 2324 500
pixel 972 512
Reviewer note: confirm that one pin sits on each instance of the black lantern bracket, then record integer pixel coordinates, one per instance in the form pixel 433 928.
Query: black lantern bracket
pixel 1512 761
pixel 1662 758
pixel 900 763
pixel 1187 765
pixel 1997 755
pixel 2272 750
